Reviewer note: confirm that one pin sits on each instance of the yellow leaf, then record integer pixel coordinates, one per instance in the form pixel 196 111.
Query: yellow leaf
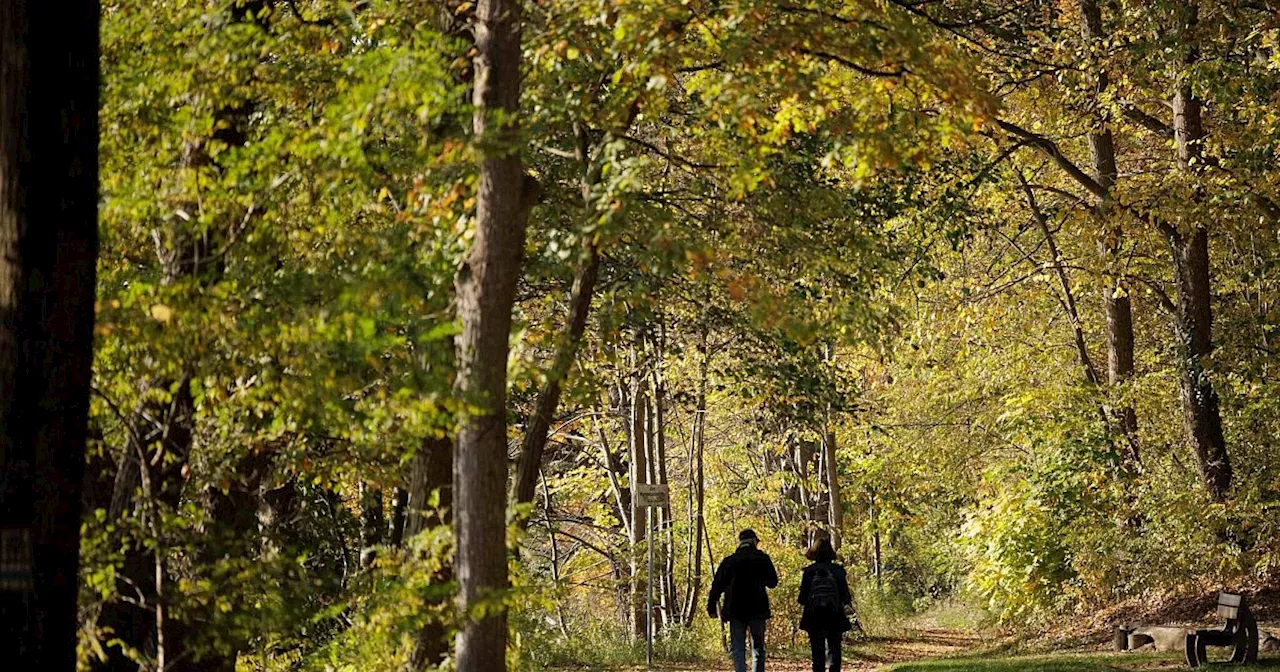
pixel 161 313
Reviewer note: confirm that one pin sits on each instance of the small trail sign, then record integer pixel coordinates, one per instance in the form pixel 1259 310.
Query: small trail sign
pixel 653 495
pixel 650 496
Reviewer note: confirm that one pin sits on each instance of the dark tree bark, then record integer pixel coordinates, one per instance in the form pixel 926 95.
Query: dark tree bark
pixel 639 449
pixel 160 437
pixel 399 508
pixel 486 286
pixel 431 472
pixel 48 254
pixel 529 462
pixel 1194 318
pixel 373 523
pixel 161 427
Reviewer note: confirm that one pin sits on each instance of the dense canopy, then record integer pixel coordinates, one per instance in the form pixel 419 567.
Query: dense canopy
pixel 397 302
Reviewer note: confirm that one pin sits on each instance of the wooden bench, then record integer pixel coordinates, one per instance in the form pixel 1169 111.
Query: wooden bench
pixel 1240 632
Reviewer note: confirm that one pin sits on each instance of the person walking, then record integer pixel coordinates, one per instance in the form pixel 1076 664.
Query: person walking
pixel 744 578
pixel 824 594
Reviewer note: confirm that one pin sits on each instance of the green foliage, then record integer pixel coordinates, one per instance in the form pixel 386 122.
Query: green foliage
pixel 810 226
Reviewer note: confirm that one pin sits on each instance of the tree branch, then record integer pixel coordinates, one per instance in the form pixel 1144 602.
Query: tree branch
pixel 870 72
pixel 1050 149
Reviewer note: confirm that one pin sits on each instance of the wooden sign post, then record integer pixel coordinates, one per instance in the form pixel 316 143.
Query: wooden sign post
pixel 650 496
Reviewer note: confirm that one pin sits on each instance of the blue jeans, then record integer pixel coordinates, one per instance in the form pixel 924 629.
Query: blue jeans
pixel 738 644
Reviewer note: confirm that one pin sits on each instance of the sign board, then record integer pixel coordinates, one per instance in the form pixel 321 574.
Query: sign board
pixel 652 495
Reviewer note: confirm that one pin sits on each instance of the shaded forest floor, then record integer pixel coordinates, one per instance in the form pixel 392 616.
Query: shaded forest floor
pixel 1074 645
pixel 859 656
pixel 943 650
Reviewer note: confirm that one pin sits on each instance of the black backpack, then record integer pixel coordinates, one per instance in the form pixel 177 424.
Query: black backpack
pixel 824 591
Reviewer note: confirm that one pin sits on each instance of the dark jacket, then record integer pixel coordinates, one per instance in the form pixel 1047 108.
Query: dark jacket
pixel 744 579
pixel 820 620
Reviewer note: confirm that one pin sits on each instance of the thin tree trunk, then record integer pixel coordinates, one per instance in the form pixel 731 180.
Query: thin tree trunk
pixel 877 561
pixel 1119 309
pixel 691 543
pixel 835 504
pixel 486 285
pixel 166 429
pixel 802 456
pixel 529 462
pixel 665 528
pixel 698 482
pixel 639 514
pixel 555 556
pixel 711 570
pixel 232 530
pixel 48 253
pixel 395 526
pixel 373 523
pixel 613 470
pixel 1068 297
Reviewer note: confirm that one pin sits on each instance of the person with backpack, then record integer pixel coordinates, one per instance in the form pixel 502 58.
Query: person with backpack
pixel 744 579
pixel 824 594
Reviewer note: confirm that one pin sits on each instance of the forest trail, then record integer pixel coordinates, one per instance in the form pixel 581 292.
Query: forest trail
pixel 859 656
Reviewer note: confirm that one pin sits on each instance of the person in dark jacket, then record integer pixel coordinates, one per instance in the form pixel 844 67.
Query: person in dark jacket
pixel 824 594
pixel 744 579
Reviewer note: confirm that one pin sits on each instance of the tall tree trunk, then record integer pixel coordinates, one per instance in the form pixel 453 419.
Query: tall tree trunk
pixel 1190 249
pixel 1119 309
pixel 1068 301
pixel 806 457
pixel 613 471
pixel 638 439
pixel 835 504
pixel 399 509
pixel 664 525
pixel 877 561
pixel 166 428
pixel 529 463
pixel 373 522
pixel 161 436
pixel 232 530
pixel 48 253
pixel 486 285
pixel 431 474
pixel 698 483
pixel 616 399
pixel 555 556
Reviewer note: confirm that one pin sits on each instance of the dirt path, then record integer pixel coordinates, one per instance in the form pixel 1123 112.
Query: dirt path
pixel 860 656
